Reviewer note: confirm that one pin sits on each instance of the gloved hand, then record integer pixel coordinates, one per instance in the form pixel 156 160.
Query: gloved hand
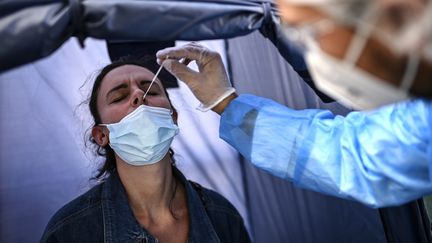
pixel 210 84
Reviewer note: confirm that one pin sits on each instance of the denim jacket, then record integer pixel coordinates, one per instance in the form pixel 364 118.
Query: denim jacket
pixel 103 215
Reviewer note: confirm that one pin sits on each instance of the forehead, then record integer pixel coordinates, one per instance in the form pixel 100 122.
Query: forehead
pixel 127 73
pixel 395 11
pixel 293 13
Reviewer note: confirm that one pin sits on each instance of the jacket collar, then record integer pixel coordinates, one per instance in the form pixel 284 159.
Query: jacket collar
pixel 120 224
pixel 200 226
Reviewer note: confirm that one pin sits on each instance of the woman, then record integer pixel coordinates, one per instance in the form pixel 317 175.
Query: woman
pixel 143 197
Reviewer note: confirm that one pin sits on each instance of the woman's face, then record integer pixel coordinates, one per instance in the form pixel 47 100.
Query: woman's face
pixel 122 91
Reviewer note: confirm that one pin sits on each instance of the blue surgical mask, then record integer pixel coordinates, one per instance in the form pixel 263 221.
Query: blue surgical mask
pixel 144 136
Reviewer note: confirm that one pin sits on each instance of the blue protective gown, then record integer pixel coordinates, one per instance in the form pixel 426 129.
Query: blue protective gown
pixel 380 158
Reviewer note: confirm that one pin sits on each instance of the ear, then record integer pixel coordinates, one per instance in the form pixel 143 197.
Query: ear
pixel 174 115
pixel 100 135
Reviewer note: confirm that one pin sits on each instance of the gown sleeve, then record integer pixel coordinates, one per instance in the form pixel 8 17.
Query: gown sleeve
pixel 380 158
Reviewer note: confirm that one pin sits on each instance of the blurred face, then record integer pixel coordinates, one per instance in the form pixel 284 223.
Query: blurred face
pixel 376 57
pixel 122 91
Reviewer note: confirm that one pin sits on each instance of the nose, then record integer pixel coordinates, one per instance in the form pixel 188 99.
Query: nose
pixel 137 98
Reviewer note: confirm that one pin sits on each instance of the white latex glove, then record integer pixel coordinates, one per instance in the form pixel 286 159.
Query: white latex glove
pixel 210 84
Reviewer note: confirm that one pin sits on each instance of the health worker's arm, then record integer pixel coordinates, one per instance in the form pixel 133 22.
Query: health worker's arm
pixel 380 158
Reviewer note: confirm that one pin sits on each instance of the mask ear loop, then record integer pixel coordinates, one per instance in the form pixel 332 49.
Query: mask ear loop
pixel 410 72
pixel 412 66
pixel 358 42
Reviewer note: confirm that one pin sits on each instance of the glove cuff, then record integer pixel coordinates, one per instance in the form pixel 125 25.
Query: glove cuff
pixel 202 107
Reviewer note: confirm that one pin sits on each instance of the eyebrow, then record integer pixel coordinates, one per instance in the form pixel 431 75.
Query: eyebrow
pixel 149 82
pixel 120 86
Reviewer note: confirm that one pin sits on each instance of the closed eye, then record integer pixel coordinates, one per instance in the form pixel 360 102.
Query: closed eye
pixel 118 96
pixel 152 93
pixel 154 89
pixel 118 99
pixel 117 93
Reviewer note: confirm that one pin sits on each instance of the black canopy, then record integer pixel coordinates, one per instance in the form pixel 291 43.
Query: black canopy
pixel 30 30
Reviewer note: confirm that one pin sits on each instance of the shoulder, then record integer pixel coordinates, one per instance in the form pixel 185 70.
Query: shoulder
pixel 75 212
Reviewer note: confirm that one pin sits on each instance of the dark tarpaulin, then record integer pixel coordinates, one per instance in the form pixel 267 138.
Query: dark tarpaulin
pixel 146 52
pixel 406 223
pixel 30 30
pixel 293 55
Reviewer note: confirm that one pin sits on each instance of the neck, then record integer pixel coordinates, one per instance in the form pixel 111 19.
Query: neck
pixel 149 188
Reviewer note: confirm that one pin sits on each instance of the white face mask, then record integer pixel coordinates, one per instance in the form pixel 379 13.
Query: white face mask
pixel 350 85
pixel 144 136
pixel 342 79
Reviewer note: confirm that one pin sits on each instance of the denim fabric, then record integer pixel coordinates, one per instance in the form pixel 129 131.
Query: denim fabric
pixel 103 215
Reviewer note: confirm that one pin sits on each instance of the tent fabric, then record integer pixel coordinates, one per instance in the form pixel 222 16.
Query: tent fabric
pixel 406 223
pixel 48 23
pixel 292 54
pixel 146 52
pixel 44 162
pixel 30 30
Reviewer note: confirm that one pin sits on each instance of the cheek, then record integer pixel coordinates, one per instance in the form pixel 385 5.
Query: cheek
pixel 336 43
pixel 159 102
pixel 113 114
